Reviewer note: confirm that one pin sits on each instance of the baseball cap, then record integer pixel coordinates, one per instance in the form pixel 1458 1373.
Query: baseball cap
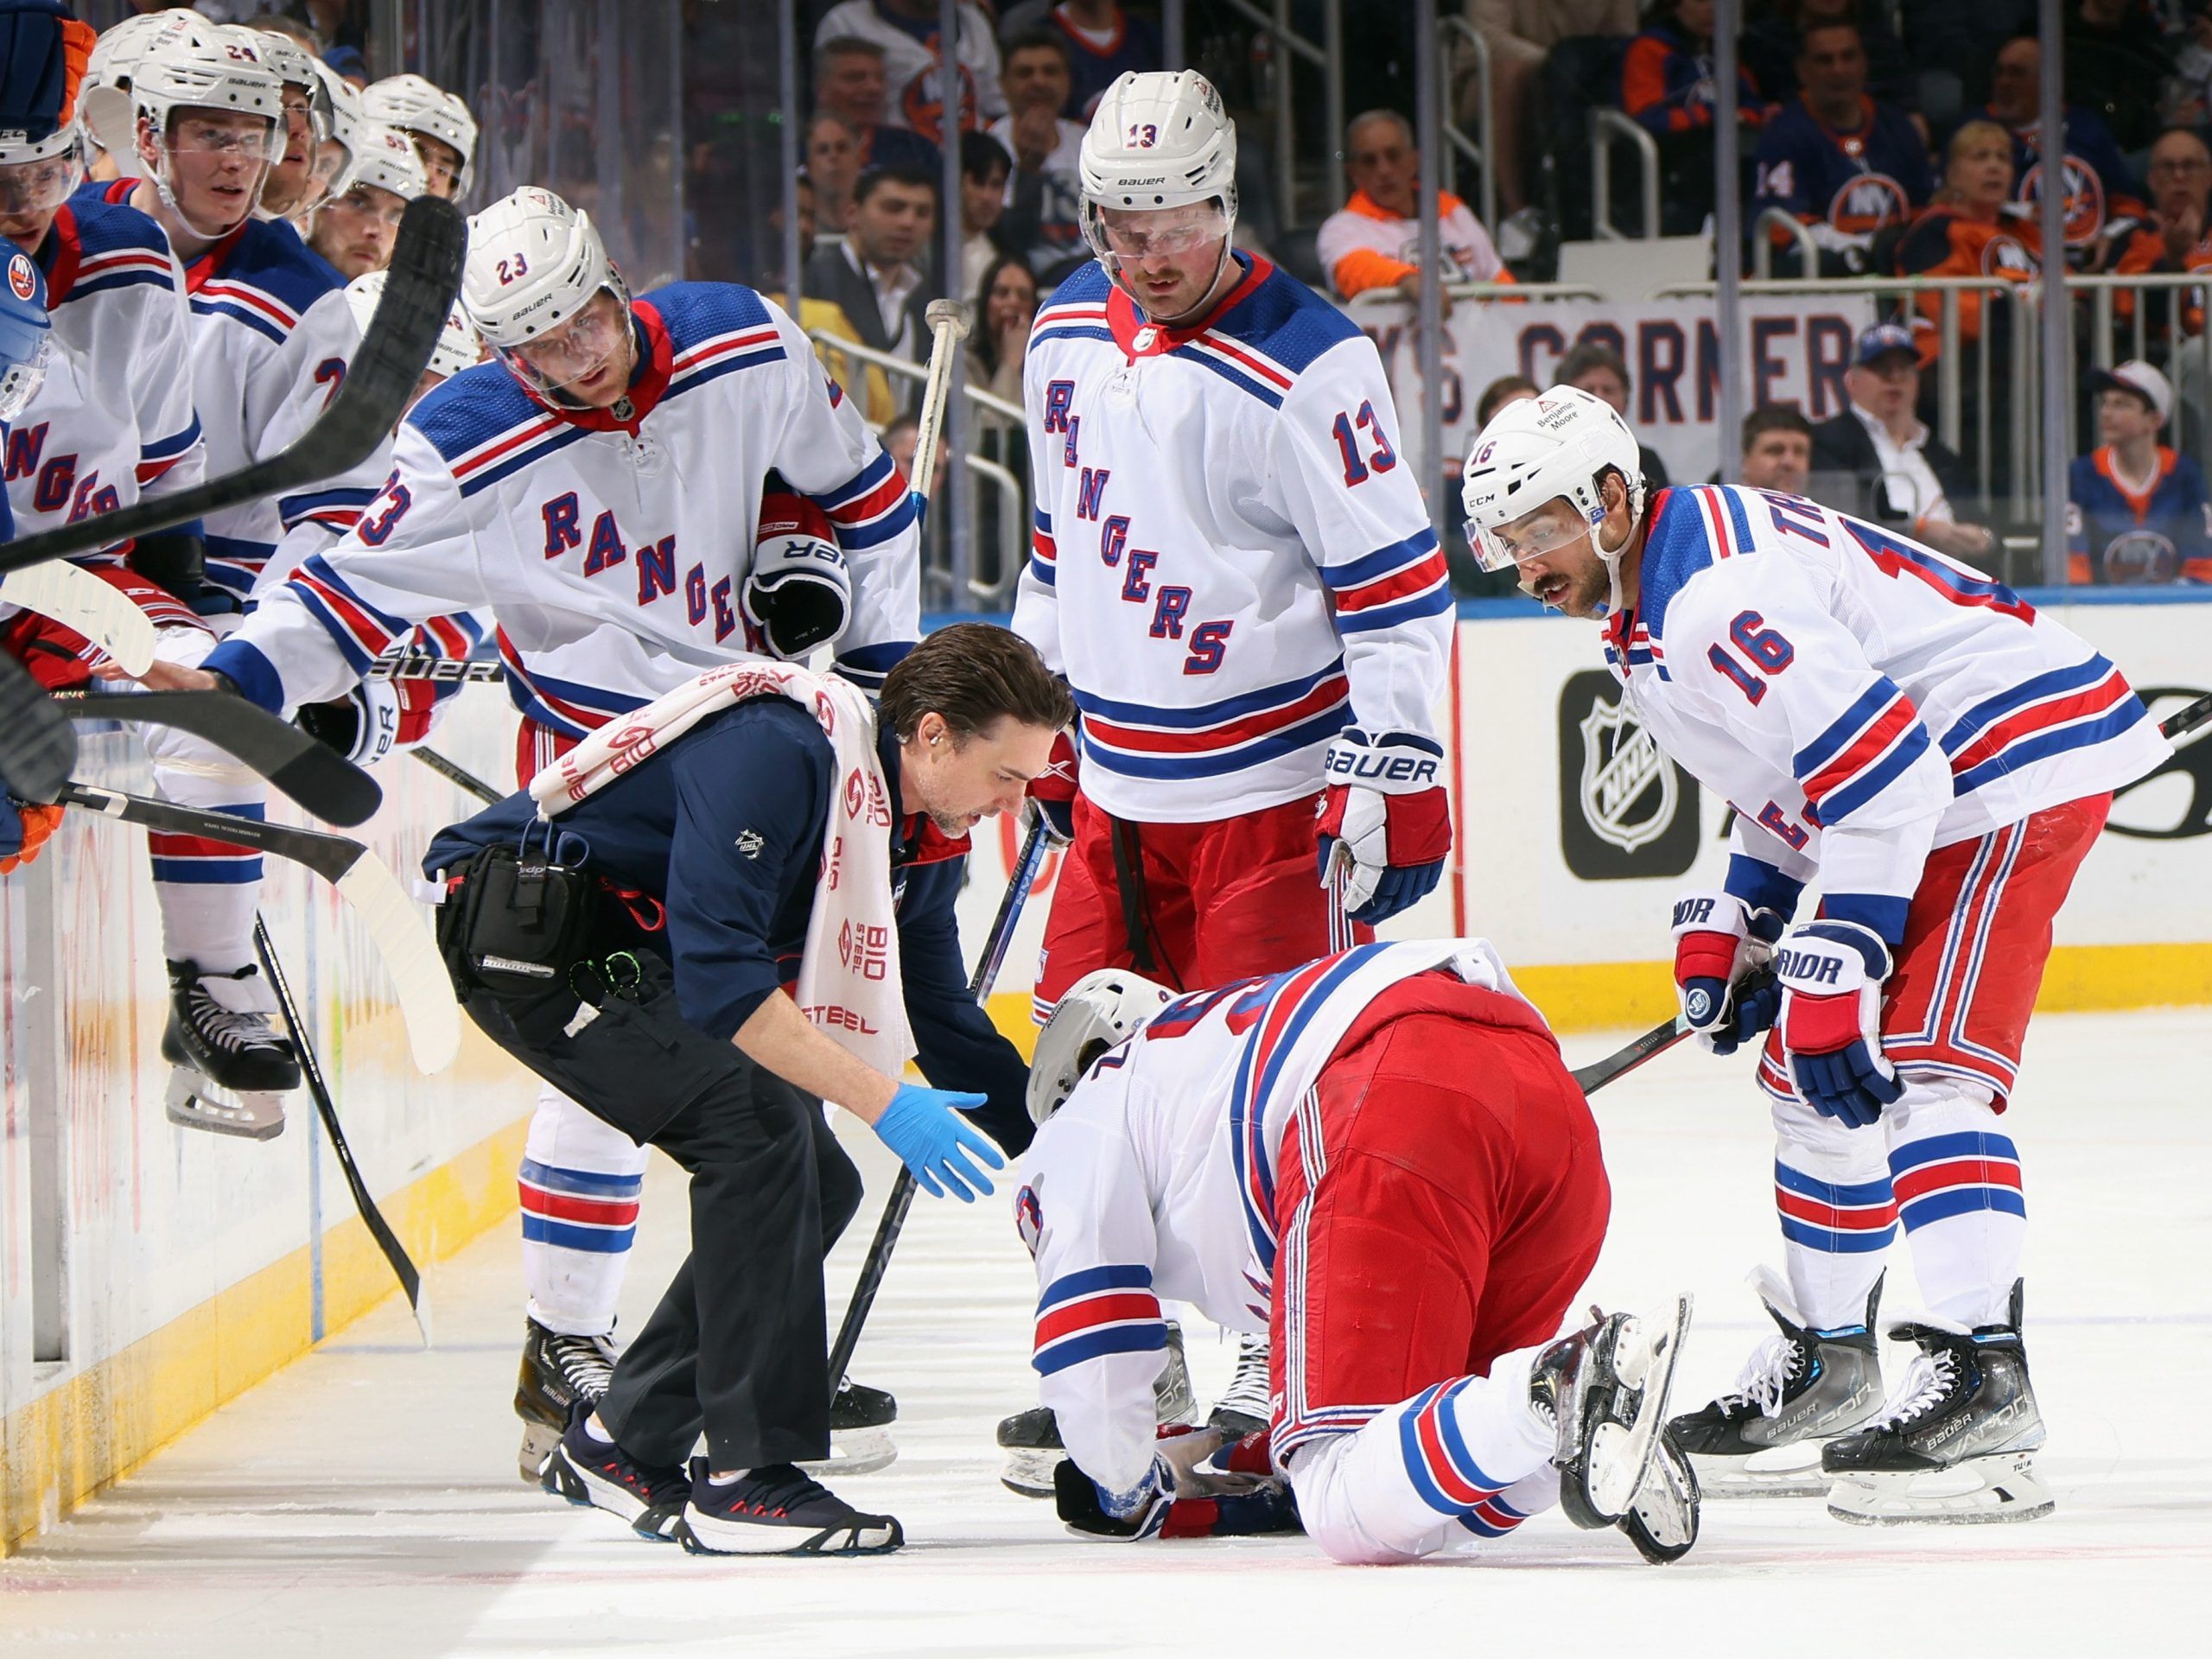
pixel 1883 339
pixel 2140 379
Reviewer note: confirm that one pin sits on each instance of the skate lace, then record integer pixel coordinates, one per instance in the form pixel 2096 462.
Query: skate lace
pixel 228 1028
pixel 586 1363
pixel 1926 1382
pixel 1773 1366
pixel 1248 1388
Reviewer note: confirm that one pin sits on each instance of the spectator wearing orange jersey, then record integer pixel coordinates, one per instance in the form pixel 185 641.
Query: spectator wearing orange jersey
pixel 2103 202
pixel 1973 228
pixel 1373 241
pixel 1668 87
pixel 2177 233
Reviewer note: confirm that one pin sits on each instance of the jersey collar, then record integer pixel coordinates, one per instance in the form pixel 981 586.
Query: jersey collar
pixel 648 381
pixel 58 256
pixel 1138 336
pixel 203 269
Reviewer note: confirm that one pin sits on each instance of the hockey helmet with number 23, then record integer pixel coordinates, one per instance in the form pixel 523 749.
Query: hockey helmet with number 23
pixel 1099 1011
pixel 534 263
pixel 1552 447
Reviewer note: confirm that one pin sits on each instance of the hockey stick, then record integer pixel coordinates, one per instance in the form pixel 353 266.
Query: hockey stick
pixel 1657 1041
pixel 79 600
pixel 312 772
pixel 453 772
pixel 902 1191
pixel 417 297
pixel 418 974
pixel 948 322
pixel 38 750
pixel 326 1110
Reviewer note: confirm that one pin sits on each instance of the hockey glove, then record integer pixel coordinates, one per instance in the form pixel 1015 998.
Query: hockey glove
pixel 1721 943
pixel 1156 1509
pixel 175 560
pixel 1385 802
pixel 374 719
pixel 923 1127
pixel 25 828
pixel 1831 974
pixel 1052 792
pixel 799 593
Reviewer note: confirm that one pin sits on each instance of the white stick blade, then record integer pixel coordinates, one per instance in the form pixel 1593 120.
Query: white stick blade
pixel 81 600
pixel 410 956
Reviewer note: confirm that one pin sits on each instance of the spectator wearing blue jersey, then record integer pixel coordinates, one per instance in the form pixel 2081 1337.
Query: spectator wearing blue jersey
pixel 2136 514
pixel 1668 88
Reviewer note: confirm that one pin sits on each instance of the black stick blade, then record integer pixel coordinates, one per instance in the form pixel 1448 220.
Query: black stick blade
pixel 37 749
pixel 313 773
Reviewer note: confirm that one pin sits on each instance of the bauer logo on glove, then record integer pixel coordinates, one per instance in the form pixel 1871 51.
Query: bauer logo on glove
pixel 1385 805
pixel 799 593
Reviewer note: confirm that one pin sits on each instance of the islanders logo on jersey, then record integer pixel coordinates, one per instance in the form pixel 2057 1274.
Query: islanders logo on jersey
pixel 2085 199
pixel 2135 558
pixel 923 107
pixel 22 278
pixel 2007 256
pixel 1867 202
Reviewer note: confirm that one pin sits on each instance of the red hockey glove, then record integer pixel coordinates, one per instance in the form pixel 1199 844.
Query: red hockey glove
pixel 1052 791
pixel 1385 805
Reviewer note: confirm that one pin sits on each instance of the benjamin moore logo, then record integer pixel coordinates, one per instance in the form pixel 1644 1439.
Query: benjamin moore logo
pixel 1626 811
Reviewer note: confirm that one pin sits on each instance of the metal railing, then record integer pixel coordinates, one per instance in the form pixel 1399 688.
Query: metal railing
pixel 1605 125
pixel 1482 148
pixel 1012 545
pixel 1808 251
pixel 1326 55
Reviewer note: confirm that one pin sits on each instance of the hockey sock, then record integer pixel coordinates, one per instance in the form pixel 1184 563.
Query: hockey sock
pixel 580 1181
pixel 1957 1179
pixel 207 890
pixel 1832 1197
pixel 1469 1457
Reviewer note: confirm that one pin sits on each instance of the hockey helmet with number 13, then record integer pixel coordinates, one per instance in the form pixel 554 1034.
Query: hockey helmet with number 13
pixel 1553 447
pixel 1159 141
pixel 1098 1011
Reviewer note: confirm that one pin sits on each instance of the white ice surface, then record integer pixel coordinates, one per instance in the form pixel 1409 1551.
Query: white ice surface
pixel 365 1502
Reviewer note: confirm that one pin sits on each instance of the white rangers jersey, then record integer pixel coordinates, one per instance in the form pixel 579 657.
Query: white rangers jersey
pixel 910 63
pixel 272 333
pixel 1857 697
pixel 611 545
pixel 1229 563
pixel 113 420
pixel 1157 1178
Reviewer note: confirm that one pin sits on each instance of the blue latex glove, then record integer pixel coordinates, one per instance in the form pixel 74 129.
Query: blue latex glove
pixel 924 1127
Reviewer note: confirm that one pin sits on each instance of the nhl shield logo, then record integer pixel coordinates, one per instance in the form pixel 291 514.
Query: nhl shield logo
pixel 1627 788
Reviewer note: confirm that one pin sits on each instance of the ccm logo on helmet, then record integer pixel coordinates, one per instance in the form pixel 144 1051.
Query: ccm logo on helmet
pixel 1394 769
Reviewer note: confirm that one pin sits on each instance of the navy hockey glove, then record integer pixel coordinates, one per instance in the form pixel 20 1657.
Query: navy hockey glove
pixel 1720 945
pixel 1831 974
pixel 924 1127
pixel 1155 1509
pixel 1385 805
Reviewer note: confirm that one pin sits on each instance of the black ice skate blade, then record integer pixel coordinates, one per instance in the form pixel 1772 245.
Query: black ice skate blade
pixel 784 1540
pixel 855 1452
pixel 1029 1473
pixel 198 1105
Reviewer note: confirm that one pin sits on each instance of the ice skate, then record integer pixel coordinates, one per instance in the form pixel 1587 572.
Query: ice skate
pixel 777 1510
pixel 1031 1439
pixel 232 1069
pixel 1662 1521
pixel 1798 1390
pixel 860 1432
pixel 558 1374
pixel 590 1471
pixel 1604 1389
pixel 1243 1407
pixel 1956 1444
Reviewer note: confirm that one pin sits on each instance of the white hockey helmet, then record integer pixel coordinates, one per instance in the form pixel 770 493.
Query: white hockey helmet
pixel 42 146
pixel 1098 1011
pixel 460 346
pixel 104 108
pixel 415 105
pixel 346 119
pixel 295 66
pixel 1549 447
pixel 1157 139
pixel 534 261
pixel 382 156
pixel 192 64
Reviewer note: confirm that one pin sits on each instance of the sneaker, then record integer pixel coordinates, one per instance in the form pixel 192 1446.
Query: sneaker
pixel 586 1470
pixel 777 1509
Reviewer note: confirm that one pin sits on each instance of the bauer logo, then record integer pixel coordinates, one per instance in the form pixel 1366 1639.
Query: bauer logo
pixel 1626 811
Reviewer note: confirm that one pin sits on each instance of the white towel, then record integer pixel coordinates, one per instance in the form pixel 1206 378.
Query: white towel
pixel 848 982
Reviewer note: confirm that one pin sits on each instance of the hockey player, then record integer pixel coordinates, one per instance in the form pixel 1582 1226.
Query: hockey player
pixel 1942 757
pixel 1380 1157
pixel 114 422
pixel 26 348
pixel 438 123
pixel 460 346
pixel 355 230
pixel 1237 577
pixel 291 183
pixel 582 489
pixel 773 834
